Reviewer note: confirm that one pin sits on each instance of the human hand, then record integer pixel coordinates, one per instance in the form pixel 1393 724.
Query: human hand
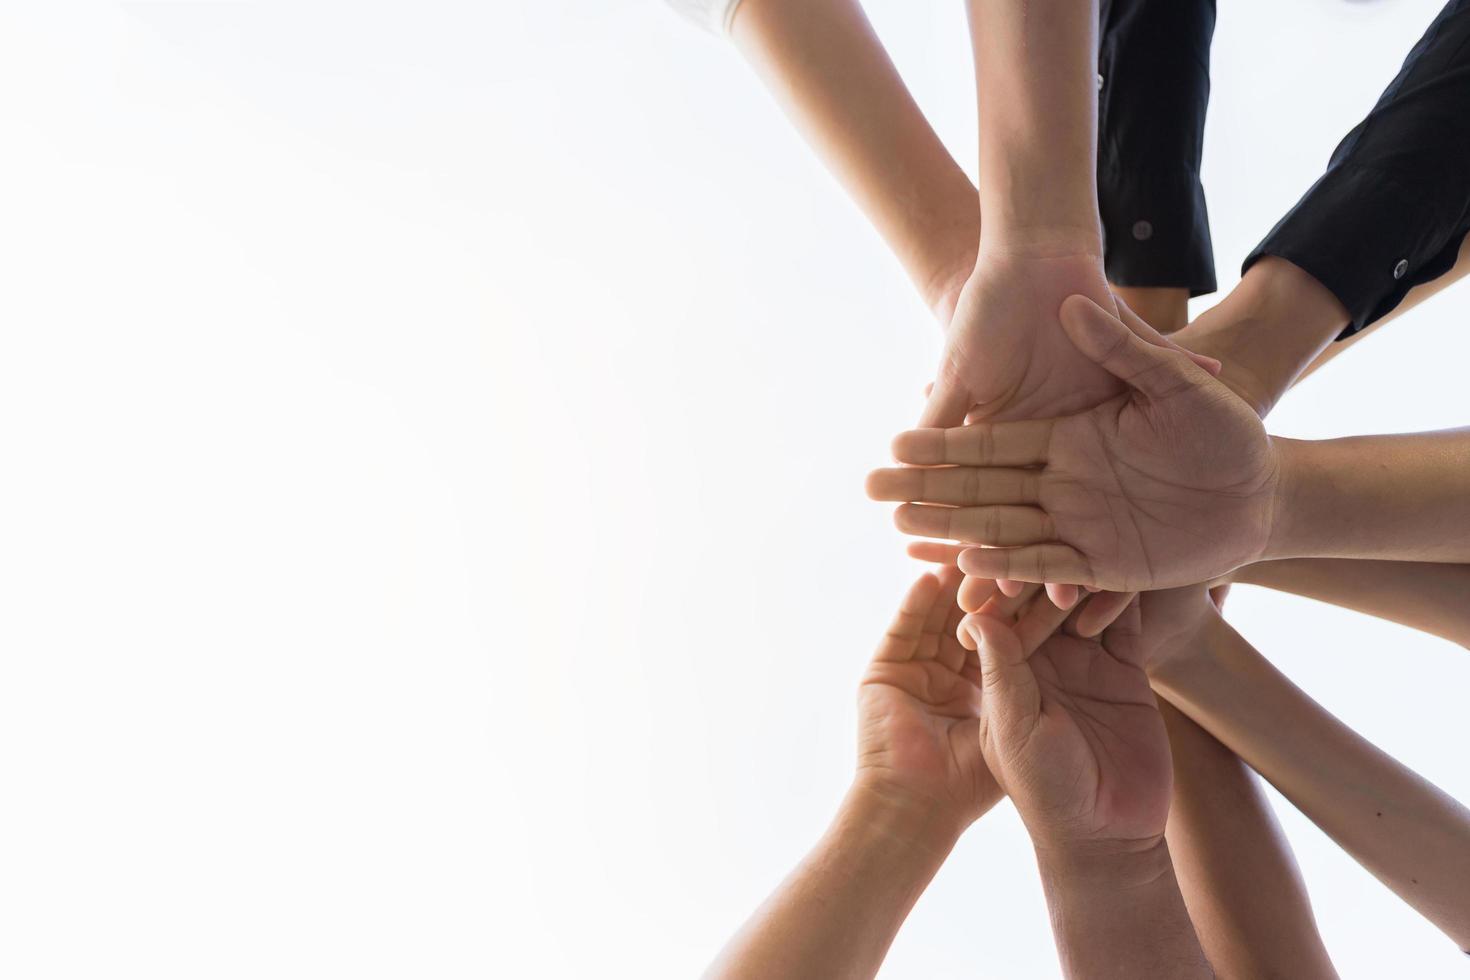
pixel 1072 732
pixel 1172 483
pixel 1173 621
pixel 1005 354
pixel 919 710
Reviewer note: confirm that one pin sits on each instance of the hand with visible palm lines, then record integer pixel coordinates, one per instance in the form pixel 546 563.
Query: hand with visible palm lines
pixel 1072 731
pixel 1171 483
pixel 919 708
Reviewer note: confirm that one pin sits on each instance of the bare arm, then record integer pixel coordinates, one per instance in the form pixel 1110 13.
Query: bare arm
pixel 1120 915
pixel 1429 596
pixel 1036 91
pixel 1240 881
pixel 1237 873
pixel 830 72
pixel 837 913
pixel 921 781
pixel 1404 830
pixel 1403 497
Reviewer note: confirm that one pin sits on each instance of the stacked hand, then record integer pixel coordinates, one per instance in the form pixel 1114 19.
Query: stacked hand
pixel 1072 731
pixel 1172 482
pixel 919 709
pixel 1006 356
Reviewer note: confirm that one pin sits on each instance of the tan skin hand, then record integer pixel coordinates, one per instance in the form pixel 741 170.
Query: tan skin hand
pixel 1170 484
pixel 919 707
pixel 1073 733
pixel 1006 355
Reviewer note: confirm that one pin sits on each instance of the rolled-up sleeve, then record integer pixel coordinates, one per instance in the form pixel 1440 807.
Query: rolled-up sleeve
pixel 713 15
pixel 1153 93
pixel 1394 204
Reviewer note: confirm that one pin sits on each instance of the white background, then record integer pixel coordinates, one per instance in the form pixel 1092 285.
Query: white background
pixel 432 540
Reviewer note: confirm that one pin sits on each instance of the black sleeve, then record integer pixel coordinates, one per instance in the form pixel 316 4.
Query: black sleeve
pixel 1394 204
pixel 1153 89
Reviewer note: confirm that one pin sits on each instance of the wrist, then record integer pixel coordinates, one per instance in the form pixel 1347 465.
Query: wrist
pixel 1297 499
pixel 900 821
pixel 1114 866
pixel 1119 912
pixel 1267 330
pixel 1175 678
pixel 1014 238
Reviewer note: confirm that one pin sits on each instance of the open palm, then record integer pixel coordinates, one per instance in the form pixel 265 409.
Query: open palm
pixel 1073 733
pixel 1168 484
pixel 919 707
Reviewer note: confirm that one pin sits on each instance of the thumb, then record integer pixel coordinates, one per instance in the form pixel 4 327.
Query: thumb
pixel 1012 699
pixel 1143 329
pixel 1106 340
pixel 945 406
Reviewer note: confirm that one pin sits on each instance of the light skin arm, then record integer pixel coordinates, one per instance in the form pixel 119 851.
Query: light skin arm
pixel 1404 830
pixel 837 913
pixel 1428 596
pixel 1267 331
pixel 1401 497
pixel 831 74
pixel 1036 92
pixel 921 780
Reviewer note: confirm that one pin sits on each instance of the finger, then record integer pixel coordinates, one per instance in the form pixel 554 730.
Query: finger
pixel 952 653
pixel 902 637
pixel 1050 562
pixel 962 486
pixel 1003 527
pixel 1106 340
pixel 979 593
pixel 944 600
pixel 1004 607
pixel 946 405
pixel 1001 606
pixel 1038 623
pixel 974 593
pixel 1101 610
pixel 1021 443
pixel 1012 699
pixel 1062 596
pixel 1142 328
pixel 936 551
pixel 1007 585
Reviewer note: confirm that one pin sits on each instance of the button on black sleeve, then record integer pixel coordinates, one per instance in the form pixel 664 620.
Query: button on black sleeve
pixel 1154 88
pixel 1394 205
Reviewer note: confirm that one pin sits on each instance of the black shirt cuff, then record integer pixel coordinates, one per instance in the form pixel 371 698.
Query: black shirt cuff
pixel 1156 231
pixel 1368 238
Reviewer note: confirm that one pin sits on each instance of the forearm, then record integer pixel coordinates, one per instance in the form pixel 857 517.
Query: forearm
pixel 1400 497
pixel 1036 92
pixel 1236 871
pixel 1120 915
pixel 1404 830
pixel 1429 596
pixel 837 913
pixel 833 77
pixel 1267 331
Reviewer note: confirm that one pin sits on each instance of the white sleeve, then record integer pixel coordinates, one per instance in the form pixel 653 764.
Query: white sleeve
pixel 713 15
